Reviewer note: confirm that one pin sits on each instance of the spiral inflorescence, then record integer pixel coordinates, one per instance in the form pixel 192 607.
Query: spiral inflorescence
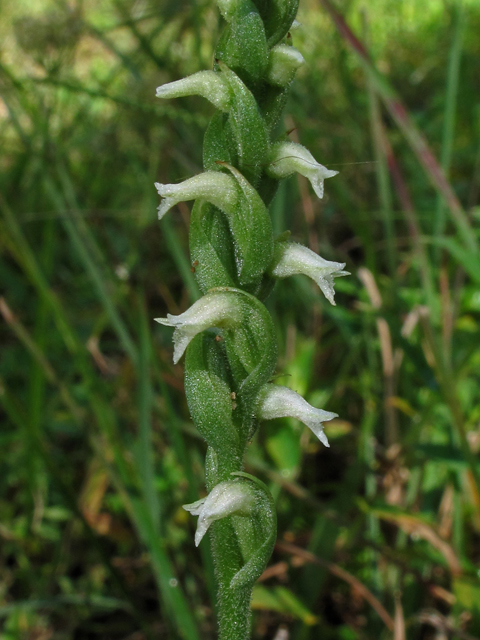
pixel 228 336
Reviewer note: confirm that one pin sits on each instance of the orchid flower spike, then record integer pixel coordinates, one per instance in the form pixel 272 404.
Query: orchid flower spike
pixel 215 309
pixel 218 188
pixel 286 158
pixel 283 62
pixel 292 259
pixel 276 401
pixel 228 498
pixel 207 84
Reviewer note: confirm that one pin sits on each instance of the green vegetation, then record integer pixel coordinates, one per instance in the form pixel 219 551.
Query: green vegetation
pixel 380 531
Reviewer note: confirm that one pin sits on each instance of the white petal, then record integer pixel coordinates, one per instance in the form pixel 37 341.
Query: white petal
pixel 288 157
pixel 280 402
pixel 215 309
pixel 294 259
pixel 195 508
pixel 283 62
pixel 218 188
pixel 226 499
pixel 207 84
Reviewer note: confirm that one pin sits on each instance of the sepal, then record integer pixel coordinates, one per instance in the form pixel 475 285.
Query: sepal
pixel 217 188
pixel 275 401
pixel 286 158
pixel 292 259
pixel 227 498
pixel 283 62
pixel 207 84
pixel 216 309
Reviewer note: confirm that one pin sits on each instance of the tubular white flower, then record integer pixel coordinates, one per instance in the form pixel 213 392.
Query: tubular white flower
pixel 207 84
pixel 215 309
pixel 287 158
pixel 219 189
pixel 276 401
pixel 283 62
pixel 294 259
pixel 226 499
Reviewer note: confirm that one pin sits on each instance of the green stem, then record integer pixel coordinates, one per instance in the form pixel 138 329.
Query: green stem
pixel 233 603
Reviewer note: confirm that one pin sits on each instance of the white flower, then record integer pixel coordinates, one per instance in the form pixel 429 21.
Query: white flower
pixel 292 259
pixel 226 499
pixel 287 158
pixel 276 401
pixel 207 84
pixel 219 189
pixel 283 62
pixel 215 309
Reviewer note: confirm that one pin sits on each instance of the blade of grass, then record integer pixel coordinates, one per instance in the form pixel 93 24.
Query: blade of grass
pixel 78 242
pixel 412 221
pixel 448 383
pixel 28 262
pixel 381 168
pixel 451 96
pixel 37 353
pixel 159 109
pixel 144 445
pixel 409 129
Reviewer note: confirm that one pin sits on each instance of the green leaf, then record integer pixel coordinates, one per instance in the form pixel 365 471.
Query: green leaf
pixel 252 355
pixel 211 247
pixel 243 45
pixel 216 144
pixel 467 593
pixel 209 393
pixel 256 534
pixel 283 601
pixel 442 453
pixel 247 128
pixel 278 16
pixel 250 232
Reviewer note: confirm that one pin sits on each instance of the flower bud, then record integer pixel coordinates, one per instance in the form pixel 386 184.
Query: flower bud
pixel 207 84
pixel 228 498
pixel 292 259
pixel 283 62
pixel 276 401
pixel 217 188
pixel 287 158
pixel 216 309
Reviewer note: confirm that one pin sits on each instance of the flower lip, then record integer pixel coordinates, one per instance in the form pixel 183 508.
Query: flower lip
pixel 289 157
pixel 207 84
pixel 215 309
pixel 276 401
pixel 218 188
pixel 231 497
pixel 292 259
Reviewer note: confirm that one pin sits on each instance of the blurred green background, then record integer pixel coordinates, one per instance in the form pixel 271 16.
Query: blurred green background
pixel 379 536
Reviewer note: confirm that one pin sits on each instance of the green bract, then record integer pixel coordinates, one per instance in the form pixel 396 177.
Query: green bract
pixel 228 336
